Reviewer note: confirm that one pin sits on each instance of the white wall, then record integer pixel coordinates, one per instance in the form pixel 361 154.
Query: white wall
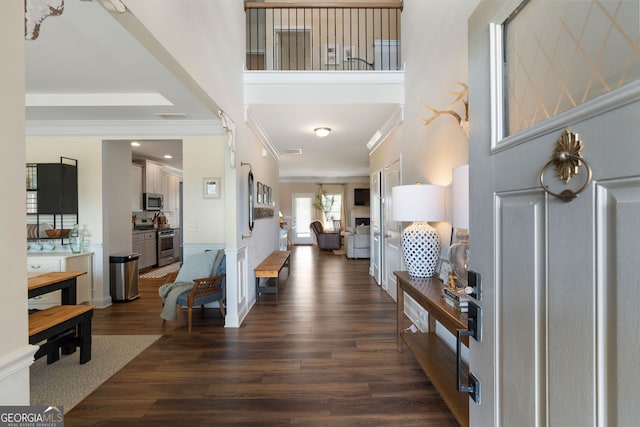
pixel 116 208
pixel 204 219
pixel 435 53
pixel 88 151
pixel 15 354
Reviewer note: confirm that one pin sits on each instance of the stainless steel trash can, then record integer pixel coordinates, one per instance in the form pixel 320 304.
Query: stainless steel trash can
pixel 123 277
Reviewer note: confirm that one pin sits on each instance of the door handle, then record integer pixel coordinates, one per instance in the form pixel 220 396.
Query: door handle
pixel 474 330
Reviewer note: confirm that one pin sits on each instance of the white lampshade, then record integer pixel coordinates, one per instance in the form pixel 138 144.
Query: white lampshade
pixel 418 202
pixel 460 197
pixel 420 241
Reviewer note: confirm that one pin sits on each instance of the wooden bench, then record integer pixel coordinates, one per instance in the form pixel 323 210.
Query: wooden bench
pixel 67 326
pixel 270 268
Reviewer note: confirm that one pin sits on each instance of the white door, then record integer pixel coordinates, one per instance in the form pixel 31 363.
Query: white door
pixel 391 230
pixel 560 295
pixel 376 228
pixel 302 216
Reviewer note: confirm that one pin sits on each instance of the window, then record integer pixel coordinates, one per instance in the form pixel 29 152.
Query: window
pixel 561 54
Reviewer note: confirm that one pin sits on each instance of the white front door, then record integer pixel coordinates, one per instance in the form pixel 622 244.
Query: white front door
pixel 391 230
pixel 561 289
pixel 301 218
pixel 376 227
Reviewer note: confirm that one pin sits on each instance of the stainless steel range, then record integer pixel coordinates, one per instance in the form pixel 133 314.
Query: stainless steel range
pixel 165 246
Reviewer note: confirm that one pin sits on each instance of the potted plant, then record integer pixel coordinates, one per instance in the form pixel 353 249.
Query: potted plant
pixel 324 203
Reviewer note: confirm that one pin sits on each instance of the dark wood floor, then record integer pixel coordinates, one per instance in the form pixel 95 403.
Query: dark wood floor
pixel 325 355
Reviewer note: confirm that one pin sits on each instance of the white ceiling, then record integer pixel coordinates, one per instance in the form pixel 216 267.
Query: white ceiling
pixel 85 51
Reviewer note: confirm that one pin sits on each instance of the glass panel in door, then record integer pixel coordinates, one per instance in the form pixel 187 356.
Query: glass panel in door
pixel 301 219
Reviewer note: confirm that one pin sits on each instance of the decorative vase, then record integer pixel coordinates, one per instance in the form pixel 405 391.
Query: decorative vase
pixel 76 239
pixel 459 258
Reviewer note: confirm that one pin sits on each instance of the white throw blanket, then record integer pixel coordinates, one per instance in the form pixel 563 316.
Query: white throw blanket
pixel 169 294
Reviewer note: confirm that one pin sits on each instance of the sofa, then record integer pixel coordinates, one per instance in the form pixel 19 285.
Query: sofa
pixel 358 242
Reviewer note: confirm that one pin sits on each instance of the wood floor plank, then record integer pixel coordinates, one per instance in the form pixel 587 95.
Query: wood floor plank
pixel 324 355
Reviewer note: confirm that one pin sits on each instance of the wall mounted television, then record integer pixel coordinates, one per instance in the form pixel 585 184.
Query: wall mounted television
pixel 361 197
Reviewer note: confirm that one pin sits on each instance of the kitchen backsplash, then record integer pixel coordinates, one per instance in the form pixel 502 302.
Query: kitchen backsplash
pixel 173 218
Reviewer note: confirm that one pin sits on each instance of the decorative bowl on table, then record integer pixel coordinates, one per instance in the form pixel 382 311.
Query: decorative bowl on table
pixel 58 233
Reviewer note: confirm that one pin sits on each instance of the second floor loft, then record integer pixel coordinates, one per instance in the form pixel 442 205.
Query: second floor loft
pixel 327 36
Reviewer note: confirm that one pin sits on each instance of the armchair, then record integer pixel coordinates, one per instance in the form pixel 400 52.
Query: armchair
pixel 200 281
pixel 327 240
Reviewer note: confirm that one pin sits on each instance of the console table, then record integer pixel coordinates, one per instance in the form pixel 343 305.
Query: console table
pixel 435 358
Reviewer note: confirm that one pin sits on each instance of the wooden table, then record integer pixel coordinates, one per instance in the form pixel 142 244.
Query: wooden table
pixel 65 281
pixel 270 269
pixel 435 358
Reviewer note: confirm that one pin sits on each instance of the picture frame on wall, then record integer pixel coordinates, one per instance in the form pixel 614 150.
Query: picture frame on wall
pixel 211 188
pixel 331 54
pixel 259 193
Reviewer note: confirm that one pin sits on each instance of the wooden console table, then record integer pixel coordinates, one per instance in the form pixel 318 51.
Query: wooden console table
pixel 435 358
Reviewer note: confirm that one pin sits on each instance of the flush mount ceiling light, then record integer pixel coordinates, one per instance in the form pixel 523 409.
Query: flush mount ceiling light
pixel 135 144
pixel 322 132
pixel 168 156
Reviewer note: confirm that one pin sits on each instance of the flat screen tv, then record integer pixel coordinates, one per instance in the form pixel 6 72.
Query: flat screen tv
pixel 361 197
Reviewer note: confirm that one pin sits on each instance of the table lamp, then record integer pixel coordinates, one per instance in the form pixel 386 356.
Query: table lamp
pixel 420 242
pixel 459 250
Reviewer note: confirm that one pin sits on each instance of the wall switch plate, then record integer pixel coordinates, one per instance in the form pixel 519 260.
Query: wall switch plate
pixel 475 282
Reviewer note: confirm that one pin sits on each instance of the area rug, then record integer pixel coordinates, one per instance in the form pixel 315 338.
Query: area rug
pixel 162 271
pixel 66 382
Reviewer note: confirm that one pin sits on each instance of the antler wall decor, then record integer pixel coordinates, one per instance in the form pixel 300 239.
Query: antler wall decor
pixel 460 96
pixel 35 11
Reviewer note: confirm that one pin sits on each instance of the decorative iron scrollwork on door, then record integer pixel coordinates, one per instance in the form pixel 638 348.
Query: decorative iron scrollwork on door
pixel 566 160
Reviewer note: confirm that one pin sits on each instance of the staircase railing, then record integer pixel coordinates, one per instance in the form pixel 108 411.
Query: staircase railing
pixel 330 36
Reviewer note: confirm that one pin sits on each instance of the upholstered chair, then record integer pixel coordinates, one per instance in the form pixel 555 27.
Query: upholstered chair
pixel 327 240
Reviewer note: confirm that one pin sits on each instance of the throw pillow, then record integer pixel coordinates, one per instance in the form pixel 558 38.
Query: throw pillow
pixel 197 266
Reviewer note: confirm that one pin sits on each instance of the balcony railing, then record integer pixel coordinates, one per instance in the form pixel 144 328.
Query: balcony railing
pixel 333 36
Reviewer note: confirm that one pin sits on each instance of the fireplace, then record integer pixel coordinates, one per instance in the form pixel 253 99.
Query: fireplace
pixel 362 221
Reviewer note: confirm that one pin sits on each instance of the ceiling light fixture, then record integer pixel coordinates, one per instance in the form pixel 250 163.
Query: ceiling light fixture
pixel 322 132
pixel 135 144
pixel 168 156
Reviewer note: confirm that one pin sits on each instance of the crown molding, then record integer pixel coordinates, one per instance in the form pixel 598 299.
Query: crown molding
pixel 123 127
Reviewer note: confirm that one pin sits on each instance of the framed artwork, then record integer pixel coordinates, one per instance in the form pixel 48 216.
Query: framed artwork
pixel 259 193
pixel 268 202
pixel 265 194
pixel 443 270
pixel 331 54
pixel 211 188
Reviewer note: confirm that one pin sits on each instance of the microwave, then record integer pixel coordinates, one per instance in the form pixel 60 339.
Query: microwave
pixel 152 201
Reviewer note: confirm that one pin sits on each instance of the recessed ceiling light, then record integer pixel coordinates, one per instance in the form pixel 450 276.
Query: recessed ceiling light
pixel 168 156
pixel 135 144
pixel 322 132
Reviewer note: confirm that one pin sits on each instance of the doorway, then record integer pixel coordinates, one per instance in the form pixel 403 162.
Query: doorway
pixel 301 218
pixel 292 49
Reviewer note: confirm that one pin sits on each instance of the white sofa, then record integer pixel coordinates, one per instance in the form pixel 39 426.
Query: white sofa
pixel 358 242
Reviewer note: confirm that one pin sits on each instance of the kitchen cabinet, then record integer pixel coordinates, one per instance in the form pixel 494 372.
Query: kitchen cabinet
pixel 144 243
pixel 171 191
pixel 176 245
pixel 136 187
pixel 53 262
pixel 151 177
